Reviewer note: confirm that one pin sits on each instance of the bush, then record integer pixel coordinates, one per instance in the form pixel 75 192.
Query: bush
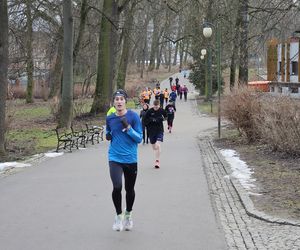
pixel 16 92
pixel 242 107
pixel 280 125
pixel 258 116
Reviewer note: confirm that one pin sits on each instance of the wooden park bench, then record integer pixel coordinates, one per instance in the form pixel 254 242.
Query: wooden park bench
pixel 94 133
pixel 65 139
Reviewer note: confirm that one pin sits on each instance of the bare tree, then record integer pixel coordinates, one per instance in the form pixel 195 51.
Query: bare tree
pixel 3 71
pixel 107 54
pixel 29 58
pixel 66 103
pixel 126 44
pixel 243 66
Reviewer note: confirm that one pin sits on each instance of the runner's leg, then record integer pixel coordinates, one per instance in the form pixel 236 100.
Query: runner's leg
pixel 144 132
pixel 156 148
pixel 130 174
pixel 116 172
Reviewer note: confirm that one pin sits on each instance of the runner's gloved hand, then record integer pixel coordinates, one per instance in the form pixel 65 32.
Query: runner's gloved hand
pixel 124 122
pixel 108 137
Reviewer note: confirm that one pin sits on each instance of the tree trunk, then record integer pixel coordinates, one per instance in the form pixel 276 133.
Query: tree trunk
pixel 243 62
pixel 126 48
pixel 56 79
pixel 175 54
pixel 154 43
pixel 186 53
pixel 144 54
pixel 29 58
pixel 3 72
pixel 235 48
pixel 66 102
pixel 181 50
pixel 106 57
pixel 179 32
pixel 83 18
pixel 170 57
pixel 159 57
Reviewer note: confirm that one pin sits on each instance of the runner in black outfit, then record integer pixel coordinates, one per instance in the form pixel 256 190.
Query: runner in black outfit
pixel 170 109
pixel 142 116
pixel 154 121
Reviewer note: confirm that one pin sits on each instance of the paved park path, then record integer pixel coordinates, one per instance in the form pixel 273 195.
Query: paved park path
pixel 65 202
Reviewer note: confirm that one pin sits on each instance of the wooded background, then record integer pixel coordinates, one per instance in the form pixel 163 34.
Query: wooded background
pixel 58 43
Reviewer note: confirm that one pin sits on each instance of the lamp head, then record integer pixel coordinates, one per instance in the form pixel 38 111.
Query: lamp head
pixel 207 32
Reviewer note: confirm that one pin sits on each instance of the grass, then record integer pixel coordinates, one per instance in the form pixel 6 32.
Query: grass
pixel 33 112
pixel 36 140
pixel 208 108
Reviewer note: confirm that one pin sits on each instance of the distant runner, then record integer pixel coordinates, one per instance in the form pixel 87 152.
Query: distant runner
pixel 170 109
pixel 142 116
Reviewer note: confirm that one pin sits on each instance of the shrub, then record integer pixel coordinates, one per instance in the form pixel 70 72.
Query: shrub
pixel 280 125
pixel 242 108
pixel 16 92
pixel 274 120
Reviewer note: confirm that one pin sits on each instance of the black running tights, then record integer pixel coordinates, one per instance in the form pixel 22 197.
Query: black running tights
pixel 130 172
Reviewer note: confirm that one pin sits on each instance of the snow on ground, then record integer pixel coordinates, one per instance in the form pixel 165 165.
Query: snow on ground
pixel 14 164
pixel 53 154
pixel 240 170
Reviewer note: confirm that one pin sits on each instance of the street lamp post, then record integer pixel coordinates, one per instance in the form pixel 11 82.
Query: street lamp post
pixel 207 32
pixel 203 54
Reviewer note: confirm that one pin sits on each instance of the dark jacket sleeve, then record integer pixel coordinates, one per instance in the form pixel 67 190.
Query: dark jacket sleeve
pixel 146 119
pixel 164 113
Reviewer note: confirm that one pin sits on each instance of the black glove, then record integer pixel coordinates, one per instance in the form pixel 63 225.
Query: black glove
pixel 108 137
pixel 124 122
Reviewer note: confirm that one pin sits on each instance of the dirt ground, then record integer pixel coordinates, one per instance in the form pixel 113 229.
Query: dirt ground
pixel 277 175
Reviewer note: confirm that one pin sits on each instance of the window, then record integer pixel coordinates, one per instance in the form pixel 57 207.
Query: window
pixel 279 69
pixel 294 68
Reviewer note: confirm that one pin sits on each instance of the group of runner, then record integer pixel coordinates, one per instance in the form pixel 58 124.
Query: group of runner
pixel 181 90
pixel 163 95
pixel 125 129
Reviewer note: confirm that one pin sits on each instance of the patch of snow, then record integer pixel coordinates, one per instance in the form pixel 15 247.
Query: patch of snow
pixel 240 170
pixel 14 164
pixel 52 155
pixel 254 194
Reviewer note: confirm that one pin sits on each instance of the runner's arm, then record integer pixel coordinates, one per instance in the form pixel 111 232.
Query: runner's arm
pixel 135 131
pixel 108 134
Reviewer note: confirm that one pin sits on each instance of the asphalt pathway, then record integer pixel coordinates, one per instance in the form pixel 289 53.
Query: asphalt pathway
pixel 65 202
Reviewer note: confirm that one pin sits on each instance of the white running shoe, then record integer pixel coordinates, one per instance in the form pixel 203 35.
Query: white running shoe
pixel 118 224
pixel 128 223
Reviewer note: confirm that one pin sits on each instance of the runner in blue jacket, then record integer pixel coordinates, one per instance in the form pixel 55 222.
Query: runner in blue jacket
pixel 124 131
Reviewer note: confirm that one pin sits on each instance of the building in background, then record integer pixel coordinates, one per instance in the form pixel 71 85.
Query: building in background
pixel 283 66
pixel 283 60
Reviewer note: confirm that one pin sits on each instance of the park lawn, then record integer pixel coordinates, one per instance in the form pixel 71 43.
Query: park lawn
pixel 33 112
pixel 26 142
pixel 205 107
pixel 31 127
